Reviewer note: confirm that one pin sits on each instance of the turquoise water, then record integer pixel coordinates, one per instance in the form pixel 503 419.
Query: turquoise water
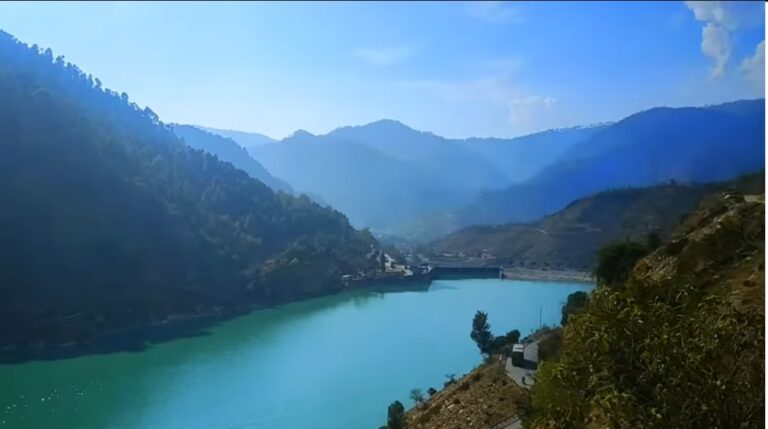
pixel 333 362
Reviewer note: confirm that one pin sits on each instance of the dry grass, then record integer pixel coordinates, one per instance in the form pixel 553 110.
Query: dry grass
pixel 478 400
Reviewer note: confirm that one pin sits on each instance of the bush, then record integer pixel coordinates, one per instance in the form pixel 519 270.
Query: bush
pixel 513 336
pixel 396 416
pixel 678 345
pixel 549 347
pixel 575 302
pixel 416 396
pixel 638 360
pixel 616 260
pixel 451 380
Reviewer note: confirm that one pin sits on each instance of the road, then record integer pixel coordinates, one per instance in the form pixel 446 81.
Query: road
pixel 524 376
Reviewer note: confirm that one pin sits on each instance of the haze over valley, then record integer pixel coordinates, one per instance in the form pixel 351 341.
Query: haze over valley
pixel 363 170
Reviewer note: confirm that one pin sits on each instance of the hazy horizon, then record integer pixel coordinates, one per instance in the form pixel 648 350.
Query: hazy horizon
pixel 575 126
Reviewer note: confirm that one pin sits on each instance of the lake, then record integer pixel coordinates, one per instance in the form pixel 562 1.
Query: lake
pixel 335 362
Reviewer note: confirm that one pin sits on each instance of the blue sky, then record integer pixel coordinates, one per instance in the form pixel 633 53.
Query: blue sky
pixel 456 68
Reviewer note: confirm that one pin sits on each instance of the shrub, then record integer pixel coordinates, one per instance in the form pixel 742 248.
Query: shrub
pixel 616 260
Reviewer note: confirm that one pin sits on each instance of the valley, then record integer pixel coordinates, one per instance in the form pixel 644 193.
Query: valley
pixel 393 215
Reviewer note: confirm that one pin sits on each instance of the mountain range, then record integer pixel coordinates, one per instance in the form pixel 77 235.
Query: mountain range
pixel 386 175
pixel 397 180
pixel 245 139
pixel 571 237
pixel 690 144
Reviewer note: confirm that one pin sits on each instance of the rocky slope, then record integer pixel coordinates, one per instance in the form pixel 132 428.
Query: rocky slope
pixel 481 399
pixel 680 343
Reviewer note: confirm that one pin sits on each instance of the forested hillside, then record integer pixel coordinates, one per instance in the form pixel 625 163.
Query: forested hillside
pixel 227 150
pixel 110 221
pixel 571 237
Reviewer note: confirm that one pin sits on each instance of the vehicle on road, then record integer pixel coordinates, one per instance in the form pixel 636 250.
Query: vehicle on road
pixel 518 355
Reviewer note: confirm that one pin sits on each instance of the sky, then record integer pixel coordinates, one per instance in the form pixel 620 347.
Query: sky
pixel 458 69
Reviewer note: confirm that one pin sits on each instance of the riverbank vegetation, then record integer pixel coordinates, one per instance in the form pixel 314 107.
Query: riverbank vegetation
pixel 486 342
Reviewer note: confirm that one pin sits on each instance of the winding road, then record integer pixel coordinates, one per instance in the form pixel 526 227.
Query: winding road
pixel 524 377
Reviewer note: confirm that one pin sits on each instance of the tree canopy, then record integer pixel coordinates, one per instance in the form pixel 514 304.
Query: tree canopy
pixel 481 332
pixel 574 303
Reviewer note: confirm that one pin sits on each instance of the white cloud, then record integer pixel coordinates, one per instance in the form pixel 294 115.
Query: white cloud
pixel 383 57
pixel 494 11
pixel 754 68
pixel 730 14
pixel 721 19
pixel 715 44
pixel 708 11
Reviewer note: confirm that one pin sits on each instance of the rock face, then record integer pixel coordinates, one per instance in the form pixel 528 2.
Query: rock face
pixel 720 246
pixel 481 399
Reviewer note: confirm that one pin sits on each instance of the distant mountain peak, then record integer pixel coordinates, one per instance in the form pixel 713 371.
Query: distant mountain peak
pixel 300 134
pixel 394 126
pixel 382 125
pixel 245 139
pixel 388 123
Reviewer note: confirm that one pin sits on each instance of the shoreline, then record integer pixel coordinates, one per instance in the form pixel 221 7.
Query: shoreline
pixel 176 326
pixel 556 275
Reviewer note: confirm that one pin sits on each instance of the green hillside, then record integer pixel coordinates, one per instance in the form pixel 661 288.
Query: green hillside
pixel 111 222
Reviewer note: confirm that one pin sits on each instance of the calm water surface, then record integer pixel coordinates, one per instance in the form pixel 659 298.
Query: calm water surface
pixel 334 363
